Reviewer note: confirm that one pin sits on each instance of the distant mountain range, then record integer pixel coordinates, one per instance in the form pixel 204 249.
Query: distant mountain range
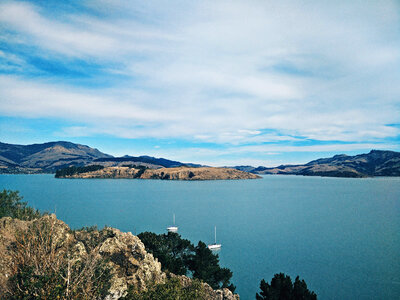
pixel 52 156
pixel 374 163
pixel 49 157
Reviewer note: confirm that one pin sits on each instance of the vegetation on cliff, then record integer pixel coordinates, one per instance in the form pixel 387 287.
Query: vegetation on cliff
pixel 173 288
pixel 43 271
pixel 45 259
pixel 181 257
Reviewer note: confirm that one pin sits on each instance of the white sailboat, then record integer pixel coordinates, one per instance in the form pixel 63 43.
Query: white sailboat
pixel 215 246
pixel 172 228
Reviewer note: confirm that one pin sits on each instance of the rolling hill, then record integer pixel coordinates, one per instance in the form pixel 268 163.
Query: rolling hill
pixel 52 156
pixel 374 163
pixel 46 157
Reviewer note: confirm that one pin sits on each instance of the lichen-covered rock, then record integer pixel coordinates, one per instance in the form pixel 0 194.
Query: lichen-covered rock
pixel 131 264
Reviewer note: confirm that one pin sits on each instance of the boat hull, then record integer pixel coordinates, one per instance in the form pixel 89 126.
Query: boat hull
pixel 214 246
pixel 172 229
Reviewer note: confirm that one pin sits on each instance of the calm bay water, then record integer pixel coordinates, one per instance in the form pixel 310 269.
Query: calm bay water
pixel 341 235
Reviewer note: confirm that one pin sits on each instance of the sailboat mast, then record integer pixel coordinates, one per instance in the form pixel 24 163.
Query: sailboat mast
pixel 174 219
pixel 215 246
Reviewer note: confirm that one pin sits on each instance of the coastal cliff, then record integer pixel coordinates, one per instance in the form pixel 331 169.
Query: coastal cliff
pixel 179 173
pixel 48 246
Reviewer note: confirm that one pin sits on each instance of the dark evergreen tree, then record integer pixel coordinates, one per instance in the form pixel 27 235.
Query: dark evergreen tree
pixel 205 266
pixel 180 256
pixel 300 290
pixel 170 249
pixel 282 288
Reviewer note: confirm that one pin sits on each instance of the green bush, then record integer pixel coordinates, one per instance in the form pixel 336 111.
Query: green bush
pixel 172 289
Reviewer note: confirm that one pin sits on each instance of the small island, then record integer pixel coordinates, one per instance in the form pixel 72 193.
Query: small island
pixel 141 172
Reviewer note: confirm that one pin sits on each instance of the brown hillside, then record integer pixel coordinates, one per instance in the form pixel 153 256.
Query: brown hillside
pixel 179 173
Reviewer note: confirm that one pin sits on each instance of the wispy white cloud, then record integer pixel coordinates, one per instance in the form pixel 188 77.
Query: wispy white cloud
pixel 52 34
pixel 229 72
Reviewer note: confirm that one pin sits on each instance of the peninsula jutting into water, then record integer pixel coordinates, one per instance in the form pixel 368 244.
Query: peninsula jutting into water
pixel 178 173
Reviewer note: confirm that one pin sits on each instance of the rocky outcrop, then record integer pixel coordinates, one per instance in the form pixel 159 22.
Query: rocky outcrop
pixel 130 262
pixel 50 241
pixel 124 253
pixel 179 173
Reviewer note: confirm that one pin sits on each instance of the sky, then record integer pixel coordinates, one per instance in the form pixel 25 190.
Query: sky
pixel 211 82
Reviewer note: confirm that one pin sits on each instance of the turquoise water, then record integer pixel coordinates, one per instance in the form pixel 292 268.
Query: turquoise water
pixel 341 235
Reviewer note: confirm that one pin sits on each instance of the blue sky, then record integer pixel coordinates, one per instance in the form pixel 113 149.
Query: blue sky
pixel 214 82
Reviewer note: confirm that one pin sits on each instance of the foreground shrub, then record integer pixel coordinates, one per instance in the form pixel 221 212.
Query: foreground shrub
pixel 46 266
pixel 172 289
